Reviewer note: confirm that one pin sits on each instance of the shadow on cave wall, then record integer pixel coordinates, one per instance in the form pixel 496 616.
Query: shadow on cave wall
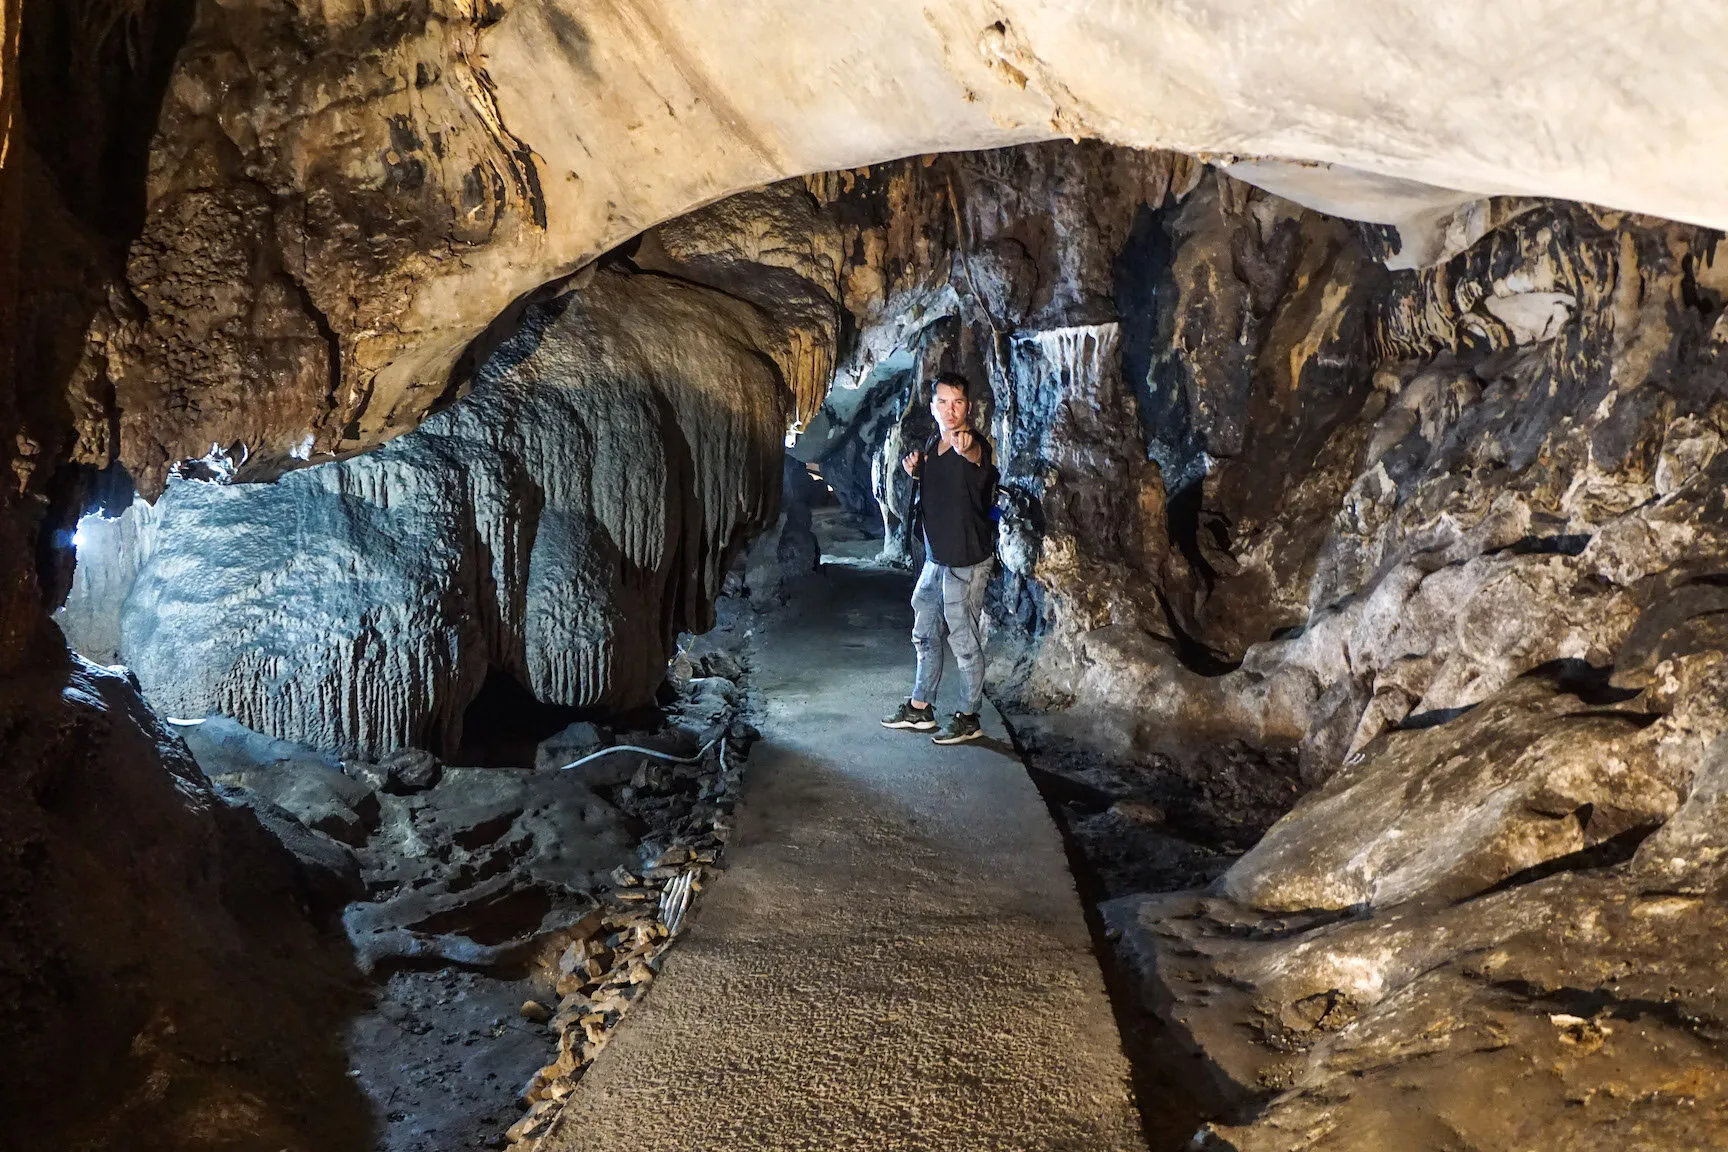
pixel 92 75
pixel 172 976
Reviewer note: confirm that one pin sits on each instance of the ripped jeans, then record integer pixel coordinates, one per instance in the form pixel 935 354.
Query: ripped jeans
pixel 950 602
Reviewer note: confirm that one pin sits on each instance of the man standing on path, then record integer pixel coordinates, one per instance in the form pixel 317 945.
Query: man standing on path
pixel 956 488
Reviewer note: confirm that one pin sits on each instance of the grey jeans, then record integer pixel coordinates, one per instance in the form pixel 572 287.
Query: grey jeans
pixel 950 602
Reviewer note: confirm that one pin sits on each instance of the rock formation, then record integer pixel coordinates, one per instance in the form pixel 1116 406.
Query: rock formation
pixel 147 916
pixel 342 198
pixel 561 525
pixel 1482 606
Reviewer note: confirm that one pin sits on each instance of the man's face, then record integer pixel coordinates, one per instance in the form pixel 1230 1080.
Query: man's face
pixel 949 405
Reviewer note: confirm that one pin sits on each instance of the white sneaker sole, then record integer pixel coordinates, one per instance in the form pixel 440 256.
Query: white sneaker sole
pixel 913 725
pixel 966 739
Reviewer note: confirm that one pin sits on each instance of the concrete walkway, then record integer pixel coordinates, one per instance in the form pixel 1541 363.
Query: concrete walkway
pixel 895 957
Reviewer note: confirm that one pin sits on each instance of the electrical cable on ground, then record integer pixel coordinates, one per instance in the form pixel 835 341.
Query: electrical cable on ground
pixel 667 756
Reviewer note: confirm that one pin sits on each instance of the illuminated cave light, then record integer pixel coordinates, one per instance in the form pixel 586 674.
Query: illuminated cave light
pixel 83 536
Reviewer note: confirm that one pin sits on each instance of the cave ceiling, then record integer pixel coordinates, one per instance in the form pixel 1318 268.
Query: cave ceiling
pixel 344 195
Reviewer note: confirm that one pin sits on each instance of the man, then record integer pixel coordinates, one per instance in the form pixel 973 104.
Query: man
pixel 956 488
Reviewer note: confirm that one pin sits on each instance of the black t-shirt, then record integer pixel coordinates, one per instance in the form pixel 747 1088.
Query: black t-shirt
pixel 955 496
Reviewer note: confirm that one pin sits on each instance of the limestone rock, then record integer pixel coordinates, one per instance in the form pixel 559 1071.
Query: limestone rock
pixel 147 915
pixel 1531 775
pixel 335 225
pixel 1390 1031
pixel 563 524
pixel 310 788
pixel 327 871
pixel 410 770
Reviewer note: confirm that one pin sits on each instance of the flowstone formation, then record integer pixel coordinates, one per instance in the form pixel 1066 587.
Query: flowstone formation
pixel 560 527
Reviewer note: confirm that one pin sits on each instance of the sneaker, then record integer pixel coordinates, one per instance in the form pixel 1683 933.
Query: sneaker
pixel 962 728
pixel 918 719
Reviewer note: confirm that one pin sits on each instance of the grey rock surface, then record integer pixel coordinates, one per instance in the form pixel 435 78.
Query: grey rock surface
pixel 561 525
pixel 407 771
pixel 570 744
pixel 309 786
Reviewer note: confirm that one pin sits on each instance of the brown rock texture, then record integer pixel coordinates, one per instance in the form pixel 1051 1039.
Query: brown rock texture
pixel 144 917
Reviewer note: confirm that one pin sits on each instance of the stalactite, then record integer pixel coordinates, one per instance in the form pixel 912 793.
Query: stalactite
pixel 538 527
pixel 1054 369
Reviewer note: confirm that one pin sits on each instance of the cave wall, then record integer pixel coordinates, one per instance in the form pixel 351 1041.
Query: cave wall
pixel 145 914
pixel 1410 495
pixel 1377 516
pixel 1488 625
pixel 342 197
pixel 1444 538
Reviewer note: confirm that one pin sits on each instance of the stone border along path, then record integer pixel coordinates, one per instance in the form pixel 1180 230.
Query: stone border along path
pixel 895 956
pixel 617 949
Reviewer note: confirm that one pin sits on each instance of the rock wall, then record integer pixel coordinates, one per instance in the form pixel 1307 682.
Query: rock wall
pixel 146 916
pixel 561 525
pixel 1446 540
pixel 1485 613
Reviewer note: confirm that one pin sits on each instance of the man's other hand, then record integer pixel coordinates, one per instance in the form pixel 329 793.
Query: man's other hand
pixel 911 461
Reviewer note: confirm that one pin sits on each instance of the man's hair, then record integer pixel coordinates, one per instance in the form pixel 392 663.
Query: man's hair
pixel 953 380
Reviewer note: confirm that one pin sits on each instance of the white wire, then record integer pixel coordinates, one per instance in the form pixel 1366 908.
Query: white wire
pixel 720 740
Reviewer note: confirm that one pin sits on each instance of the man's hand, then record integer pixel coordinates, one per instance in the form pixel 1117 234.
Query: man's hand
pixel 911 461
pixel 963 441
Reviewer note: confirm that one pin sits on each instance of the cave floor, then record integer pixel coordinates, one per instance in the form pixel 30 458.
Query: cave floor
pixel 895 956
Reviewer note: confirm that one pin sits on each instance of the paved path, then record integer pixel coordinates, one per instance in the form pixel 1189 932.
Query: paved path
pixel 895 957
